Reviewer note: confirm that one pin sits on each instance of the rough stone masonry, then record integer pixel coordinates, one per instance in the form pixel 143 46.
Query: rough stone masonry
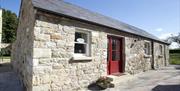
pixel 43 53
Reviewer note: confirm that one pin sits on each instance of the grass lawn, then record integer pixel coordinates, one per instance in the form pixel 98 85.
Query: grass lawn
pixel 5 57
pixel 175 58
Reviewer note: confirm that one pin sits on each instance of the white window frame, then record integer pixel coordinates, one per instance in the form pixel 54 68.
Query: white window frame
pixel 161 49
pixel 148 49
pixel 87 49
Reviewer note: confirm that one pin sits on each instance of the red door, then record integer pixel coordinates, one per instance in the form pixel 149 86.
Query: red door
pixel 115 63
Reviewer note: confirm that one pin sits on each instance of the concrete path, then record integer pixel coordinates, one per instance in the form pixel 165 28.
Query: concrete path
pixel 165 79
pixel 8 79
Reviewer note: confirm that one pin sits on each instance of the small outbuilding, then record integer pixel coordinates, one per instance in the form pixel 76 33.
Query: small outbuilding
pixel 63 47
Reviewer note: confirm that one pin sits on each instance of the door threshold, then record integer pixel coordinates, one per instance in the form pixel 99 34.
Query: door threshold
pixel 118 74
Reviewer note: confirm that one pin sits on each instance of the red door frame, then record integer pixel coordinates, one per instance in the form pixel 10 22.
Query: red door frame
pixel 121 50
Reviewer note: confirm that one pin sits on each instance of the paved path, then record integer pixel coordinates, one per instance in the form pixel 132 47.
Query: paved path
pixel 165 79
pixel 8 79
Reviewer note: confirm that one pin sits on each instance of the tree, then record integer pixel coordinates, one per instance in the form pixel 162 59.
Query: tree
pixel 174 39
pixel 9 27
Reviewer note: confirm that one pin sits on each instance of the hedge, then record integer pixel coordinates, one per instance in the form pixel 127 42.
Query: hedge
pixel 174 51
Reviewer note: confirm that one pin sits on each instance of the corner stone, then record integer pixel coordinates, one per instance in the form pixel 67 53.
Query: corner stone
pixel 41 53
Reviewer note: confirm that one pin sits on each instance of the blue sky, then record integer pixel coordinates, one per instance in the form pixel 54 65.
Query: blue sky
pixel 159 17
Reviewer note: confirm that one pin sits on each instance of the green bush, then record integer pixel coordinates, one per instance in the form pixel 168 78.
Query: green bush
pixel 105 82
pixel 5 52
pixel 174 51
pixel 175 58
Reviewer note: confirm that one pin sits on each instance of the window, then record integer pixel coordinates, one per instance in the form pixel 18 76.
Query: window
pixel 115 50
pixel 161 49
pixel 82 43
pixel 147 48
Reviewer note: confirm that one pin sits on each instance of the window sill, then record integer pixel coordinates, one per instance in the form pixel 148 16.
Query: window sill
pixel 147 56
pixel 82 58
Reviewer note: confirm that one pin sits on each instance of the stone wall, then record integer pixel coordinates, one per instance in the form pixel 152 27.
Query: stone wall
pixel 136 59
pixel 160 60
pixel 43 53
pixel 22 48
pixel 53 47
pixel 166 55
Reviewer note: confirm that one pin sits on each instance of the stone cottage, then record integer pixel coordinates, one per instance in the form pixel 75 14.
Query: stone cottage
pixel 62 47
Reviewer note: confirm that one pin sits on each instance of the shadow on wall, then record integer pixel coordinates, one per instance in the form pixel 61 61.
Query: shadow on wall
pixel 167 88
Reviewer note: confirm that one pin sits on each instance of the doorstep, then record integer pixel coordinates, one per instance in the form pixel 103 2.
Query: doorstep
pixel 122 78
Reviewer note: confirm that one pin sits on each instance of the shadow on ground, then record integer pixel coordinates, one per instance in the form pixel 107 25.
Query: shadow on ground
pixel 5 67
pixel 9 81
pixel 177 67
pixel 167 88
pixel 94 87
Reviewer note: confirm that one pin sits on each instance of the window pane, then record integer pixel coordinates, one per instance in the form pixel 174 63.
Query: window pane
pixel 161 51
pixel 79 35
pixel 145 45
pixel 115 56
pixel 147 48
pixel 146 51
pixel 80 48
pixel 115 44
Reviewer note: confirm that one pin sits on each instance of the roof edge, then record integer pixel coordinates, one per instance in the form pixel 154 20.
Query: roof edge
pixel 94 23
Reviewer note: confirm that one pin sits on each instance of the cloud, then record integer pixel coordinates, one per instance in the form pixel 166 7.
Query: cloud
pixel 174 45
pixel 165 35
pixel 159 29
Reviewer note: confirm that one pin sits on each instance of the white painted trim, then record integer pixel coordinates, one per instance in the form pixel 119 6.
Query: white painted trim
pixel 148 49
pixel 82 58
pixel 147 56
pixel 147 41
pixel 83 29
pixel 116 35
pixel 161 49
pixel 88 45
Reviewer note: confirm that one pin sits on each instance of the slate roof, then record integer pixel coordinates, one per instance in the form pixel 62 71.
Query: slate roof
pixel 69 10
